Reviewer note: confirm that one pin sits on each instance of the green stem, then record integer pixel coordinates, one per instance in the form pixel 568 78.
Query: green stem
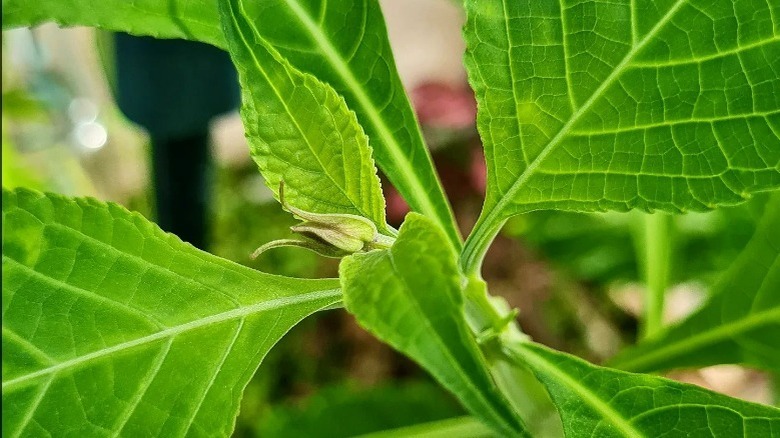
pixel 657 254
pixel 477 244
pixel 493 324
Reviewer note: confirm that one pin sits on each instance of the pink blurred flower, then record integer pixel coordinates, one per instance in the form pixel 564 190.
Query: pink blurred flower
pixel 443 106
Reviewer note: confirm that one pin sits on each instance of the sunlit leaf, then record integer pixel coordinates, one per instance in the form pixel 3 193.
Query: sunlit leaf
pixel 113 327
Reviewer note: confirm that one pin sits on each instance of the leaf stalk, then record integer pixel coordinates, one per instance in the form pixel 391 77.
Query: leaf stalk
pixel 657 229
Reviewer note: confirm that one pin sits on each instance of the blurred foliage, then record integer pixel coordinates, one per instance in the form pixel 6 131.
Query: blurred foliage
pixel 347 410
pixel 35 150
pixel 593 266
pixel 16 173
pixel 598 248
pixel 52 167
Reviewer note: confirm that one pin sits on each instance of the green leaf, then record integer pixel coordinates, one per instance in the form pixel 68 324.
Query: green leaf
pixel 604 105
pixel 113 327
pixel 196 20
pixel 597 401
pixel 344 43
pixel 410 297
pixel 740 322
pixel 300 130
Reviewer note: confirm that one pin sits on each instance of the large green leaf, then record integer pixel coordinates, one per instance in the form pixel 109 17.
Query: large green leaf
pixel 613 105
pixel 595 401
pixel 111 326
pixel 300 130
pixel 739 324
pixel 196 20
pixel 344 43
pixel 410 297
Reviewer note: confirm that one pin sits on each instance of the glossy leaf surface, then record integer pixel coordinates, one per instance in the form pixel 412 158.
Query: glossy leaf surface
pixel 410 297
pixel 113 327
pixel 300 130
pixel 596 401
pixel 739 324
pixel 614 105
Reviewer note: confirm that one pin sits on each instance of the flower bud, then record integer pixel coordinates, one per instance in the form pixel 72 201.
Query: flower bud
pixel 330 234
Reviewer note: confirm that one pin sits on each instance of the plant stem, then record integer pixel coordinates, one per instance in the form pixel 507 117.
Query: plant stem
pixel 477 244
pixel 493 324
pixel 657 256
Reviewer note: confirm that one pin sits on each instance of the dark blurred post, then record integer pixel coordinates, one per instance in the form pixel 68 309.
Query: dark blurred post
pixel 173 88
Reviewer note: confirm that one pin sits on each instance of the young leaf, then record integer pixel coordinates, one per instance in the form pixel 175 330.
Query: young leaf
pixel 344 44
pixel 739 324
pixel 113 327
pixel 196 20
pixel 605 105
pixel 597 401
pixel 410 297
pixel 300 130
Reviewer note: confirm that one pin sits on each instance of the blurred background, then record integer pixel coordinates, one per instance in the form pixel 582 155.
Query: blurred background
pixel 575 277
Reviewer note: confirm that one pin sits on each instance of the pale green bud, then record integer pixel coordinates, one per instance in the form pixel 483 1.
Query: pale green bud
pixel 331 234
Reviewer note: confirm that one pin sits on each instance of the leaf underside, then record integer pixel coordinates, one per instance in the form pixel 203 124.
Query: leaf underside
pixel 739 324
pixel 113 327
pixel 410 297
pixel 613 105
pixel 595 401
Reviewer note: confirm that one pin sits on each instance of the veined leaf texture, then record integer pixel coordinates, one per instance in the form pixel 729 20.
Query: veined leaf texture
pixel 113 327
pixel 613 105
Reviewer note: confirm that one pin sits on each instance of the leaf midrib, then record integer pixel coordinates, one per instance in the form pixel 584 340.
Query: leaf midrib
pixel 496 213
pixel 173 331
